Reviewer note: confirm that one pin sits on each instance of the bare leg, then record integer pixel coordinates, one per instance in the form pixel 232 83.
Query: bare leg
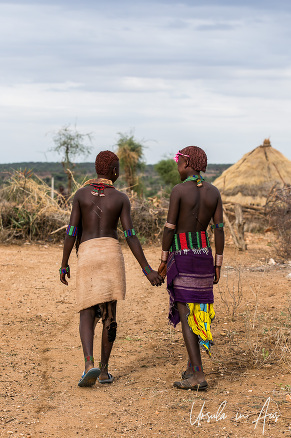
pixel 86 328
pixel 108 337
pixel 192 345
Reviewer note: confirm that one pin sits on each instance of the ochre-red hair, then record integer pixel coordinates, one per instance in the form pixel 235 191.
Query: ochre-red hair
pixel 103 162
pixel 197 157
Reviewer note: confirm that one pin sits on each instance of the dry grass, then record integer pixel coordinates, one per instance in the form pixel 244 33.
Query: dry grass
pixel 250 180
pixel 148 216
pixel 261 340
pixel 232 295
pixel 28 212
pixel 278 210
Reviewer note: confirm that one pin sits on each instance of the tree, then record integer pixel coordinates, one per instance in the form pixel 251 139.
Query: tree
pixel 130 154
pixel 70 143
pixel 167 169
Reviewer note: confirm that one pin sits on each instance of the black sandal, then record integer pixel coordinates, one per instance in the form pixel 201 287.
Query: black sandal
pixel 102 367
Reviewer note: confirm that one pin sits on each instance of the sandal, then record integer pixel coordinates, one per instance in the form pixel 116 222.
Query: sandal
pixel 104 366
pixel 185 384
pixel 109 380
pixel 89 378
pixel 185 376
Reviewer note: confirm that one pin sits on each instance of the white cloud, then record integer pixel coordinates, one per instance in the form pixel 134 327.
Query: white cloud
pixel 215 76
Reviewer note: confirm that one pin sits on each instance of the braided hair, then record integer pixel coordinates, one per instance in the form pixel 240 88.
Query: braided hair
pixel 197 157
pixel 103 162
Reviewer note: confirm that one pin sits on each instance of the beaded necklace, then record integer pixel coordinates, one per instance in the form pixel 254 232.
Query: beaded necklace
pixel 197 178
pixel 99 185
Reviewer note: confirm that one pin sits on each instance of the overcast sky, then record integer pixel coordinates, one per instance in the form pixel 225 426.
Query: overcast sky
pixel 215 74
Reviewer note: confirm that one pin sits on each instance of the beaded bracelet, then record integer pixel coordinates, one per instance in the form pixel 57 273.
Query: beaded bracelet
pixel 89 359
pixel 218 259
pixel 72 231
pixel 147 270
pixel 217 226
pixel 195 368
pixel 164 256
pixel 65 270
pixel 129 233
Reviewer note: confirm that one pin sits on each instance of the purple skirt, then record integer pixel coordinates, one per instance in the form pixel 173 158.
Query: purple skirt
pixel 190 277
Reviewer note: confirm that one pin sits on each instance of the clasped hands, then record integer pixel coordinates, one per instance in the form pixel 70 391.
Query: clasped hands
pixel 157 278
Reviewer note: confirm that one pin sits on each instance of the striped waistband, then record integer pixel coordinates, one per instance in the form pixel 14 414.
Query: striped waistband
pixel 190 240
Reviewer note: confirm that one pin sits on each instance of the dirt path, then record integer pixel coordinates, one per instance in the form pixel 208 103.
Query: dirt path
pixel 41 357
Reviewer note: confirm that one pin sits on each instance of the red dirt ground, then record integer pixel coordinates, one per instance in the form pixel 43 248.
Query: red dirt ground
pixel 41 356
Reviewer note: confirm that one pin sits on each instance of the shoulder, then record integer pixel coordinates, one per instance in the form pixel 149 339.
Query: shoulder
pixel 178 189
pixel 122 196
pixel 80 192
pixel 212 188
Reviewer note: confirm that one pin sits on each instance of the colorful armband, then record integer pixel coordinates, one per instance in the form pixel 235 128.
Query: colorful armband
pixel 217 226
pixel 129 233
pixel 146 270
pixel 72 231
pixel 65 270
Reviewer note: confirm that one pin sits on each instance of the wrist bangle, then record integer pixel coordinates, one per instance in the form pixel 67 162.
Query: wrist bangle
pixel 64 270
pixel 171 226
pixel 218 259
pixel 164 256
pixel 146 270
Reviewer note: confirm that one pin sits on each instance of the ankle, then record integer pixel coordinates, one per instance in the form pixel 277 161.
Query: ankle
pixel 89 362
pixel 103 366
pixel 197 369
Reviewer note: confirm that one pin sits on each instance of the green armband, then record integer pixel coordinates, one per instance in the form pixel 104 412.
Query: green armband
pixel 129 233
pixel 217 226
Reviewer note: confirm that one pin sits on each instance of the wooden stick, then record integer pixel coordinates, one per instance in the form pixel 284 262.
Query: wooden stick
pixel 59 229
pixel 234 238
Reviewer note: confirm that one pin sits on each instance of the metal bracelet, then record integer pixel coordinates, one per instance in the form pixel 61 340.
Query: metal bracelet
pixel 218 259
pixel 171 226
pixel 164 256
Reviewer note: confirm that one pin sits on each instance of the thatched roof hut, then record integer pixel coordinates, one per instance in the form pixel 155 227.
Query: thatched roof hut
pixel 249 181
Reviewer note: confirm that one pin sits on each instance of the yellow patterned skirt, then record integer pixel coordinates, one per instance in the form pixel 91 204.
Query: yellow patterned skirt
pixel 199 320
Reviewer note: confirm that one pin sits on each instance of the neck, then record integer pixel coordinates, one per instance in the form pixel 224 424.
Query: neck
pixel 191 172
pixel 104 176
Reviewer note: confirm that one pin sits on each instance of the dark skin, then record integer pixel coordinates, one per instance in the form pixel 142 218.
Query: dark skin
pixel 191 209
pixel 99 216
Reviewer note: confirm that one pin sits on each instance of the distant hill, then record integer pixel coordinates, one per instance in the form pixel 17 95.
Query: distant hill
pixel 151 181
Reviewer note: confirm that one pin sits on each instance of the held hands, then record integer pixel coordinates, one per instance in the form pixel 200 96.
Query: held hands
pixel 155 279
pixel 217 274
pixel 163 269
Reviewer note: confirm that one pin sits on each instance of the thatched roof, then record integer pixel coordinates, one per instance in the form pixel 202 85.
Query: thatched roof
pixel 250 180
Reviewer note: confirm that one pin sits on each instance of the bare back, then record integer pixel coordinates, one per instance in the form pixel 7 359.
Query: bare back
pixel 99 215
pixel 192 208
